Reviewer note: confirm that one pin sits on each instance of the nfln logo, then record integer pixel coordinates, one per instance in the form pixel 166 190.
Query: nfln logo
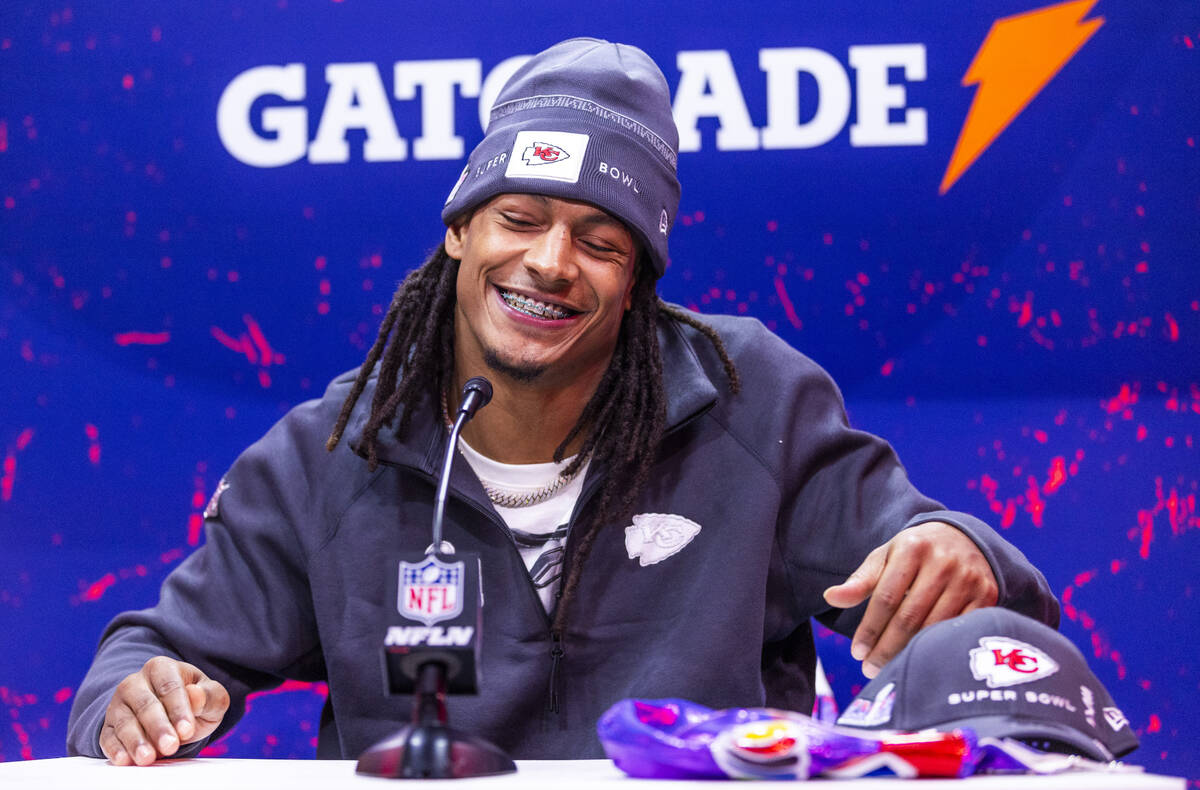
pixel 1006 662
pixel 557 156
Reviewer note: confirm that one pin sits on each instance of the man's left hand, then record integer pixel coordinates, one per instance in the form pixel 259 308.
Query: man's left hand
pixel 925 574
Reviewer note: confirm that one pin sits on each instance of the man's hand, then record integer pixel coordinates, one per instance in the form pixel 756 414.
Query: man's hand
pixel 155 711
pixel 923 575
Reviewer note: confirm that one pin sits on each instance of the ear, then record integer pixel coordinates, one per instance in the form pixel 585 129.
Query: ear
pixel 455 243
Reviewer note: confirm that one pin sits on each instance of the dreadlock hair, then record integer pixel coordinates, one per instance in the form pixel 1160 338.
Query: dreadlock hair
pixel 622 424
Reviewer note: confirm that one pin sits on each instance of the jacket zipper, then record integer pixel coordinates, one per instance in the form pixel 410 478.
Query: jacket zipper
pixel 556 654
pixel 555 695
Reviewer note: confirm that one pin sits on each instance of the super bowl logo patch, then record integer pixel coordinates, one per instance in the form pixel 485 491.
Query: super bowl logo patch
pixel 557 156
pixel 868 713
pixel 458 184
pixel 431 590
pixel 1001 661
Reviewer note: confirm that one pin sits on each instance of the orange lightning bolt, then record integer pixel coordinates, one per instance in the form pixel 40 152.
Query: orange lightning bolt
pixel 1020 55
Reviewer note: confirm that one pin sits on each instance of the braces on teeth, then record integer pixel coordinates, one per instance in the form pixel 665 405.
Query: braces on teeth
pixel 533 307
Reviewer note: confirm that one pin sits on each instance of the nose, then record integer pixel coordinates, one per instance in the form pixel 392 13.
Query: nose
pixel 548 257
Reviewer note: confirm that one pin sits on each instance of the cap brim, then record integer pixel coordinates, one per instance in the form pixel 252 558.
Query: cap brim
pixel 1021 728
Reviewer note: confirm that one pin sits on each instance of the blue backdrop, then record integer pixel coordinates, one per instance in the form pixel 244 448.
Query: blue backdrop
pixel 981 217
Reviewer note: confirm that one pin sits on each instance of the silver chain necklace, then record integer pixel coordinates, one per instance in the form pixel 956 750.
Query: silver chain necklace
pixel 510 498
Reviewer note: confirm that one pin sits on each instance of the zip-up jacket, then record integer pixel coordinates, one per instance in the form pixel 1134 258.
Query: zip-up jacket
pixel 291 579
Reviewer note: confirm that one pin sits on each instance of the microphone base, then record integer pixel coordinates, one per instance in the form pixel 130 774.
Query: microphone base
pixel 433 751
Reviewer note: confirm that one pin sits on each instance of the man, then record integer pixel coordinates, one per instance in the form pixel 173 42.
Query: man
pixel 661 503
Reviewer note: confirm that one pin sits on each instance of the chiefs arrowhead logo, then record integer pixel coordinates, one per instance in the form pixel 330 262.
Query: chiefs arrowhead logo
pixel 1001 661
pixel 543 154
pixel 547 154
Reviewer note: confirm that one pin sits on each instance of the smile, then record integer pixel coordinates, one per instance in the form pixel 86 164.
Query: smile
pixel 534 308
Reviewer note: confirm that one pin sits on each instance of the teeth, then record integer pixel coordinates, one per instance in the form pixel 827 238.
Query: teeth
pixel 533 307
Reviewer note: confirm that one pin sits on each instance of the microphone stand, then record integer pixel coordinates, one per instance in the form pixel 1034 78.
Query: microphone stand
pixel 428 748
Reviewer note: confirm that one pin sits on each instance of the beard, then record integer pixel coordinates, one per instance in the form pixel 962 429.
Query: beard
pixel 520 373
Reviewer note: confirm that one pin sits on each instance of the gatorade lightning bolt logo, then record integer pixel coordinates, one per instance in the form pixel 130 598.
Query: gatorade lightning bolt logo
pixel 543 154
pixel 1019 57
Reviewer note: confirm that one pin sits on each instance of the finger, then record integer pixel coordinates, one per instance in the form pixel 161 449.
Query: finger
pixel 894 581
pixel 111 746
pixel 860 583
pixel 209 701
pixel 921 597
pixel 129 734
pixel 166 678
pixel 955 600
pixel 152 719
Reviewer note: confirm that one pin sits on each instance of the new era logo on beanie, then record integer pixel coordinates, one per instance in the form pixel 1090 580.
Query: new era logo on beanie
pixel 1003 675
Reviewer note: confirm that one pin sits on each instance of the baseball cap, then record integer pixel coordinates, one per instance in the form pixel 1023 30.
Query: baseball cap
pixel 588 120
pixel 1003 675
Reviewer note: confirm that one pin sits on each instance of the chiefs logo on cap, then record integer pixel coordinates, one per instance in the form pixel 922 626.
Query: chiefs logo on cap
pixel 1001 661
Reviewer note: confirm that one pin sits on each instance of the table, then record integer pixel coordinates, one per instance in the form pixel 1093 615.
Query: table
pixel 229 774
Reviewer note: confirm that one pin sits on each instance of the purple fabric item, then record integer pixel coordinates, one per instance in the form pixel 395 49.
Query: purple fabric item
pixel 677 739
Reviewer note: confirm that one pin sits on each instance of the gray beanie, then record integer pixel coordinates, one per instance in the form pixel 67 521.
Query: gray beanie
pixel 584 120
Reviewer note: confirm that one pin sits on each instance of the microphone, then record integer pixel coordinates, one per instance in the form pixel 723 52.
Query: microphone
pixel 476 394
pixel 432 644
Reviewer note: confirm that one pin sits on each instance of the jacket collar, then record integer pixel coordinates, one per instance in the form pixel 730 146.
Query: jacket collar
pixel 689 390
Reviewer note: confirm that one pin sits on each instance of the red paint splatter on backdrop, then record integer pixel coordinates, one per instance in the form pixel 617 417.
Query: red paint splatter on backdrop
pixel 93 436
pixel 8 469
pixel 141 338
pixel 253 345
pixel 786 301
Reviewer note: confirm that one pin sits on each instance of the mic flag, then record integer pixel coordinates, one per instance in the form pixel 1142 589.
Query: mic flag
pixel 438 602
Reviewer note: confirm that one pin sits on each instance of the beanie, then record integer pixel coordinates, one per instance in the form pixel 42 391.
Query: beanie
pixel 584 120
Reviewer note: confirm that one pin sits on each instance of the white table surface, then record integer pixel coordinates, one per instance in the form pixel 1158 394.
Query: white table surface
pixel 83 773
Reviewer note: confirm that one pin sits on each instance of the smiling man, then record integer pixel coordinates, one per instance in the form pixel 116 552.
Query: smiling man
pixel 661 502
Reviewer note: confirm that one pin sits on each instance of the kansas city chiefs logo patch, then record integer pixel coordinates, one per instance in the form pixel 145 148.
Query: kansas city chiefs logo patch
pixel 657 536
pixel 1001 661
pixel 543 154
pixel 547 154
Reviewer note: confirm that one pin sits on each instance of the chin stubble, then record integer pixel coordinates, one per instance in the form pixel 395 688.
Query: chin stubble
pixel 521 373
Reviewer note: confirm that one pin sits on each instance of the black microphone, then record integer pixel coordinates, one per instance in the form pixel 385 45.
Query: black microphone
pixel 476 394
pixel 432 644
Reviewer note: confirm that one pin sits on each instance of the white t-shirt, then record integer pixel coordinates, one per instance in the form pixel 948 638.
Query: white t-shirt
pixel 540 530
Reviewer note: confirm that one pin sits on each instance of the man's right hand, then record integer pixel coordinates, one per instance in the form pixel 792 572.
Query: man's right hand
pixel 154 711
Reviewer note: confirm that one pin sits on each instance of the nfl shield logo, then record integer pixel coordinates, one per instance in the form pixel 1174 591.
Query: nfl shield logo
pixel 431 590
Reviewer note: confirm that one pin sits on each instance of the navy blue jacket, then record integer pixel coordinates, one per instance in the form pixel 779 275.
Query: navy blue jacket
pixel 290 582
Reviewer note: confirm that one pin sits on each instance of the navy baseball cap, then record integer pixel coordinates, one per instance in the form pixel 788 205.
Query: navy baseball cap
pixel 585 120
pixel 1003 675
